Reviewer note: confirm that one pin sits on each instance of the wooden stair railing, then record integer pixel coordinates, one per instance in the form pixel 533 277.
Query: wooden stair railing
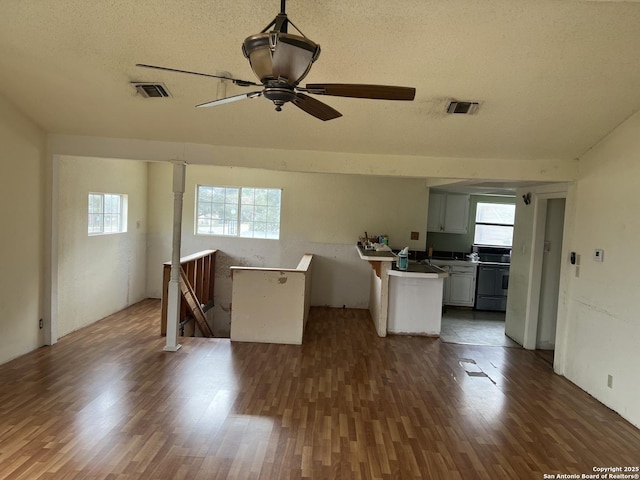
pixel 194 305
pixel 198 274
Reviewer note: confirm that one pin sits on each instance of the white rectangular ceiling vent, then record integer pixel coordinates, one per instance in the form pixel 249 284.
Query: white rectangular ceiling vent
pixel 151 90
pixel 463 108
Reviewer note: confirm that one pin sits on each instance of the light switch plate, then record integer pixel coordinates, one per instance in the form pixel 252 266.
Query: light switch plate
pixel 598 255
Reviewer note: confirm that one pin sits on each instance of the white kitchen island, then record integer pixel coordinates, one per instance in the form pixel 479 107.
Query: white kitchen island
pixel 404 302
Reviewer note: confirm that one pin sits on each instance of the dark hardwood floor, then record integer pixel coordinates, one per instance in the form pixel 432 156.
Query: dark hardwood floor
pixel 107 403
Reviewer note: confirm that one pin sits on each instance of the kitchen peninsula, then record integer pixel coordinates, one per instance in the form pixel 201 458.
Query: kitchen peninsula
pixel 404 301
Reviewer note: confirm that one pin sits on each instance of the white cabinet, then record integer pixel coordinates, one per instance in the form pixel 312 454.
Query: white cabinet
pixel 456 214
pixel 459 287
pixel 448 213
pixel 435 218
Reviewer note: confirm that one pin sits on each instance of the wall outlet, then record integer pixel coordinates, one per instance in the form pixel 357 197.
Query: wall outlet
pixel 598 255
pixel 41 324
pixel 610 381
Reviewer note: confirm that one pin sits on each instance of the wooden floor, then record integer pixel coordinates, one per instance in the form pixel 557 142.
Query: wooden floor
pixel 107 403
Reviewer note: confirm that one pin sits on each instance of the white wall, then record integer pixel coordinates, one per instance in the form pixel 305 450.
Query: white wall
pixel 322 214
pixel 102 274
pixel 519 271
pixel 22 283
pixel 598 323
pixel 544 170
pixel 603 325
pixel 271 306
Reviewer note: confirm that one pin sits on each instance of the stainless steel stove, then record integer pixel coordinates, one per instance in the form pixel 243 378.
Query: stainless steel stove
pixel 493 278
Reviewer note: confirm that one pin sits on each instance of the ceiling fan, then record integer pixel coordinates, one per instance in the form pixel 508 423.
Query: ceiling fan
pixel 281 60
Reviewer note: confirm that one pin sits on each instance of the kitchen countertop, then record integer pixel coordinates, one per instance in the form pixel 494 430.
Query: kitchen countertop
pixel 386 256
pixel 451 261
pixel 418 270
pixel 374 256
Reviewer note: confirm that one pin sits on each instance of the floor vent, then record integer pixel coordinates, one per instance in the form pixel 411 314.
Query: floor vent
pixel 151 90
pixel 463 108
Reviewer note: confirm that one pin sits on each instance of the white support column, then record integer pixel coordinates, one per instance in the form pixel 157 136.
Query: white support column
pixel 384 299
pixel 174 295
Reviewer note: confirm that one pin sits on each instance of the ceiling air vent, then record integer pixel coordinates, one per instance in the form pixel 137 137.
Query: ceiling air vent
pixel 463 108
pixel 151 90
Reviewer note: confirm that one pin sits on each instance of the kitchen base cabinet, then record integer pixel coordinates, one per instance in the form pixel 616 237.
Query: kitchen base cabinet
pixel 461 289
pixel 460 286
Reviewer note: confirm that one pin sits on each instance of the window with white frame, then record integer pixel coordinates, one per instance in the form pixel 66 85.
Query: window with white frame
pixel 494 224
pixel 107 213
pixel 238 211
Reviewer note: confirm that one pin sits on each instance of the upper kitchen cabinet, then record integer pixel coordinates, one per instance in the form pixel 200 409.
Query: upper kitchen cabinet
pixel 448 213
pixel 436 212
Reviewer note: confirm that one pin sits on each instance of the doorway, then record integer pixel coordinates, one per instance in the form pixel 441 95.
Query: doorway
pixel 474 327
pixel 523 317
pixel 550 279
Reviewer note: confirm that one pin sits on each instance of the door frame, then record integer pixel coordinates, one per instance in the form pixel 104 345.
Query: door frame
pixel 540 200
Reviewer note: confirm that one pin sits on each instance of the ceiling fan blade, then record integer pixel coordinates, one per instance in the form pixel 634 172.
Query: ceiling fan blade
pixel 315 107
pixel 379 92
pixel 234 98
pixel 236 81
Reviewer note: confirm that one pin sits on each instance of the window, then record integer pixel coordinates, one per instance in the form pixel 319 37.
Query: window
pixel 107 213
pixel 494 224
pixel 238 211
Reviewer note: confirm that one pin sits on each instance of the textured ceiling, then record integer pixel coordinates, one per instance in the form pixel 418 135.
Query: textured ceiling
pixel 553 76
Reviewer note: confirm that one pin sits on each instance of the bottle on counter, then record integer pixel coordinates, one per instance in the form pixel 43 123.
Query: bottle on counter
pixel 403 259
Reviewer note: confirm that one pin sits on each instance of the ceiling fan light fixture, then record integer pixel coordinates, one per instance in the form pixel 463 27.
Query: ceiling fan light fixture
pixel 276 55
pixel 281 60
